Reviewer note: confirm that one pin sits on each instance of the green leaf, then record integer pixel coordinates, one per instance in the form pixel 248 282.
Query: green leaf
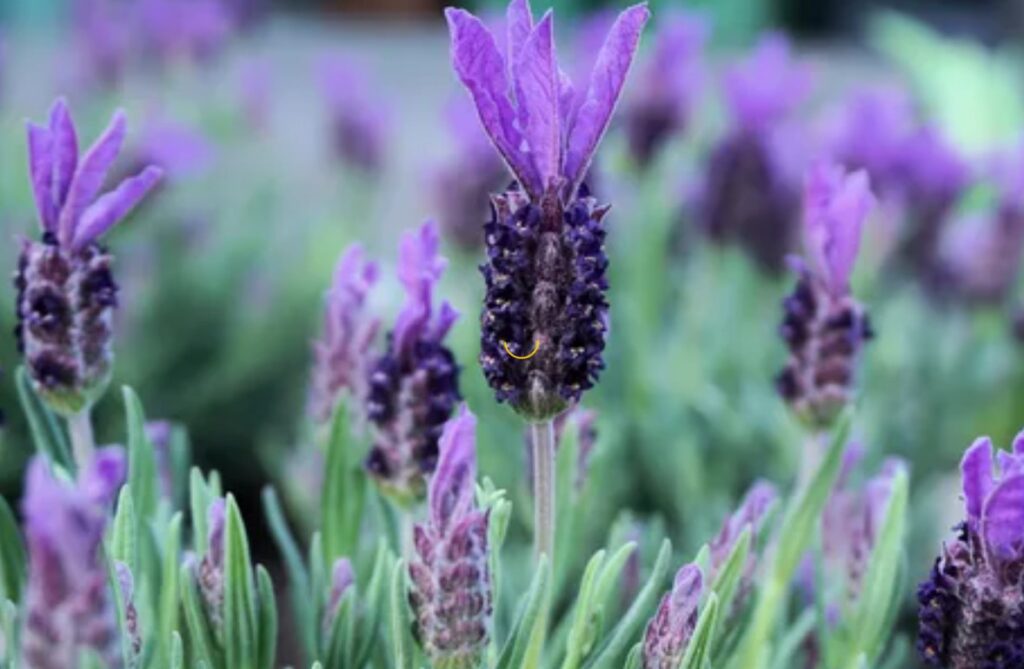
pixel 201 637
pixel 177 651
pixel 401 641
pixel 578 643
pixel 523 646
pixel 123 540
pixel 11 633
pixel 267 623
pixel 607 586
pixel 698 652
pixel 12 555
pixel 635 658
pixel 142 475
pixel 374 603
pixel 728 577
pixel 169 587
pixel 240 615
pixel 625 633
pixel 344 492
pixel 47 435
pixel 338 649
pixel 298 577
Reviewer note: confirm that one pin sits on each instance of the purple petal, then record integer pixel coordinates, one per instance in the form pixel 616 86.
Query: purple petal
pixel 105 212
pixel 767 86
pixel 1018 443
pixel 835 207
pixel 976 470
pixel 538 97
pixel 482 70
pixel 606 82
pixel 1003 519
pixel 687 588
pixel 519 19
pixel 40 165
pixel 65 150
pixel 446 318
pixel 453 486
pixel 215 520
pixel 91 173
pixel 420 266
pixel 105 475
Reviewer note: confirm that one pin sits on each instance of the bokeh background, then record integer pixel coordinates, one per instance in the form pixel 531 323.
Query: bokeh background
pixel 290 129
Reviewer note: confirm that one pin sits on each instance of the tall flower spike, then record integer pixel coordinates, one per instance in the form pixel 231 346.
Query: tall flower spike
pixel 823 326
pixel 69 606
pixel 343 351
pixel 450 583
pixel 545 269
pixel 669 631
pixel 66 292
pixel 413 387
pixel 971 613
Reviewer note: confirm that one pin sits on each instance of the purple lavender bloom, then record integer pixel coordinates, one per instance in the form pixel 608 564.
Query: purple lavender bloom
pixel 545 272
pixel 660 105
pixel 750 195
pixel 823 326
pixel 358 121
pixel 174 30
pixel 69 606
pixel 209 571
pixel 413 387
pixel 179 150
pixel 668 632
pixel 342 580
pixel 971 613
pixel 343 351
pixel 450 588
pixel 66 292
pixel 102 40
pixel 126 584
pixel 752 513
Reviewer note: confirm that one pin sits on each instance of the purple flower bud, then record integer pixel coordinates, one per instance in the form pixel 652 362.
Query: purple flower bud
pixel 68 601
pixel 661 103
pixel 342 353
pixel 342 579
pixel 669 631
pixel 752 513
pixel 358 122
pixel 450 584
pixel 970 605
pixel 545 273
pixel 66 292
pixel 126 583
pixel 413 387
pixel 823 326
pixel 210 570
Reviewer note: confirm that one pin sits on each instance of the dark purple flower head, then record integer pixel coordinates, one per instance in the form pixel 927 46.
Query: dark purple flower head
pixel 546 265
pixel 971 610
pixel 669 631
pixel 413 387
pixel 450 583
pixel 666 90
pixel 68 602
pixel 823 326
pixel 66 292
pixel 358 120
pixel 343 351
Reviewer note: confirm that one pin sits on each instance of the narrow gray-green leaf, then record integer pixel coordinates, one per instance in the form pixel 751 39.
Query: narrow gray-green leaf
pixel 240 616
pixel 698 652
pixel 123 538
pixel 169 587
pixel 12 555
pixel 201 636
pixel 177 651
pixel 344 492
pixel 577 644
pixel 47 435
pixel 303 604
pixel 530 626
pixel 142 475
pixel 403 653
pixel 728 577
pixel 267 619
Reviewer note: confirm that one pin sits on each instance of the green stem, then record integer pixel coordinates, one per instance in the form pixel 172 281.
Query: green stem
pixel 543 438
pixel 82 442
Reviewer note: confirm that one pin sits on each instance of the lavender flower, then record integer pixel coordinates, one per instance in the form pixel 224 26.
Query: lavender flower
pixel 660 106
pixel 126 584
pixel 358 122
pixel 209 571
pixel 752 513
pixel 181 151
pixel 971 612
pixel 750 193
pixel 102 40
pixel 823 326
pixel 413 387
pixel 545 272
pixel 68 602
pixel 66 292
pixel 342 580
pixel 342 353
pixel 450 589
pixel 668 632
pixel 175 30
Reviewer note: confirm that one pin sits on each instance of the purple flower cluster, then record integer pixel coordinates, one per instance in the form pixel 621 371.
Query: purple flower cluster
pixel 450 590
pixel 66 293
pixel 545 269
pixel 69 606
pixel 971 610
pixel 823 326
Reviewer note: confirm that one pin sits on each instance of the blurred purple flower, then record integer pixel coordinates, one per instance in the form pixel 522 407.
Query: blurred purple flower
pixel 668 632
pixel 69 606
pixel 102 36
pixel 343 351
pixel 358 119
pixel 823 326
pixel 666 89
pixel 413 386
pixel 750 194
pixel 256 92
pixel 752 513
pixel 450 583
pixel 66 292
pixel 545 273
pixel 209 571
pixel 179 150
pixel 970 605
pixel 174 30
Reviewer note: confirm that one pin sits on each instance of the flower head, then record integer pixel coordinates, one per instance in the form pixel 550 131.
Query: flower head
pixel 413 386
pixel 450 589
pixel 971 611
pixel 669 631
pixel 66 292
pixel 546 265
pixel 69 606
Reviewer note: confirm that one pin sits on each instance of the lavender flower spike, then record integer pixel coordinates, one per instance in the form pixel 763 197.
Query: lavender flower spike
pixel 669 631
pixel 546 265
pixel 971 612
pixel 823 326
pixel 413 387
pixel 66 292
pixel 69 605
pixel 450 589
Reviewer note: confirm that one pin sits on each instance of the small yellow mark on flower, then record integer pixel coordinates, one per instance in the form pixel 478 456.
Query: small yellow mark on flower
pixel 536 347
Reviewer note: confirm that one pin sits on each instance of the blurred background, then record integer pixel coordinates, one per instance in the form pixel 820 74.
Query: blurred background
pixel 290 129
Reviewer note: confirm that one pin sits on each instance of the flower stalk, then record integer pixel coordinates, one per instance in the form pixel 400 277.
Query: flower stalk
pixel 83 444
pixel 542 436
